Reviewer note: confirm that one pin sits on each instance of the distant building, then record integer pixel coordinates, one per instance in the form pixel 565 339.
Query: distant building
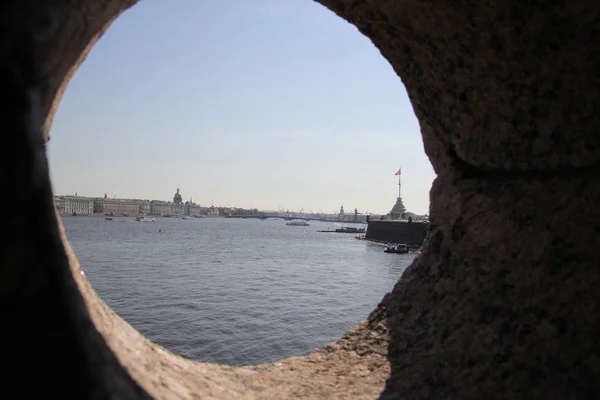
pixel 145 207
pixel 226 210
pixel 167 208
pixel 74 205
pixel 193 209
pixel 60 204
pixel 341 214
pixel 117 206
pixel 177 199
pixel 398 211
pixel 210 211
pixel 158 207
pixel 174 208
pixel 105 206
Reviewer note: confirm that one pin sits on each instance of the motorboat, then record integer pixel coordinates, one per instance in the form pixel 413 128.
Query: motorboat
pixel 145 219
pixel 350 229
pixel 345 229
pixel 396 248
pixel 298 223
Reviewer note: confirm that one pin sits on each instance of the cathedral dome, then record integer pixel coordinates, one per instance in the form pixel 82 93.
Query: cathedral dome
pixel 177 198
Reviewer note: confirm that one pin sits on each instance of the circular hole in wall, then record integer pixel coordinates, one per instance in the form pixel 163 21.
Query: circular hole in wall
pixel 282 108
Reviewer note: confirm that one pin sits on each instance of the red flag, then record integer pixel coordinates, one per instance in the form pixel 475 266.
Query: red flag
pixel 398 172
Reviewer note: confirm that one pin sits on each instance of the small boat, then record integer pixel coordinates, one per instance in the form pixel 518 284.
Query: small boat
pixel 108 218
pixel 349 229
pixel 145 219
pixel 297 223
pixel 345 229
pixel 186 217
pixel 396 248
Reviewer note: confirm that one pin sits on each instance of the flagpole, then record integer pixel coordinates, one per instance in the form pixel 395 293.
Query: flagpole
pixel 400 183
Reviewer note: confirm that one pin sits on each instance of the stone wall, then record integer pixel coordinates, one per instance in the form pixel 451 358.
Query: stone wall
pixel 503 301
pixel 412 233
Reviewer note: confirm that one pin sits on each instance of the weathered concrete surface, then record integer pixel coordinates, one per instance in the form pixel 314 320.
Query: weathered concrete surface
pixel 502 303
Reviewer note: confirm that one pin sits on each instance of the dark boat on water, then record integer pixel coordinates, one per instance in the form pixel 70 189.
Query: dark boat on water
pixel 346 229
pixel 298 223
pixel 349 229
pixel 396 248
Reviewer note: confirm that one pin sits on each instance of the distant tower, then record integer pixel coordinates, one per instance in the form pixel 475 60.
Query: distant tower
pixel 341 215
pixel 177 199
pixel 355 215
pixel 105 196
pixel 398 210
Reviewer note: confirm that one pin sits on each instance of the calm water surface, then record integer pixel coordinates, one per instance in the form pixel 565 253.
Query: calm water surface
pixel 233 291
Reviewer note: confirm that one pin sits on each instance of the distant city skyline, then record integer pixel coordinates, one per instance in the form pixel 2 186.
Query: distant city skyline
pixel 348 209
pixel 267 105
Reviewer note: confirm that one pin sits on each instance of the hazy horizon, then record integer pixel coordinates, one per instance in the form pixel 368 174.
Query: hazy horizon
pixel 267 105
pixel 282 209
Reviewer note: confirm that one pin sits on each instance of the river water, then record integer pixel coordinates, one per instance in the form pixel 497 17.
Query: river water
pixel 233 291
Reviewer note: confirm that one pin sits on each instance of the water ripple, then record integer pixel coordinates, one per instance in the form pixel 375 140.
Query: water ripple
pixel 232 291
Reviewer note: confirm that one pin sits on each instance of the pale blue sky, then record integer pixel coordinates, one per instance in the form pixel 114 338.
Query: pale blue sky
pixel 262 103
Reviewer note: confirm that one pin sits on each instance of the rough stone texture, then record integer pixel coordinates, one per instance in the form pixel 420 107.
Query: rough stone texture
pixel 495 84
pixel 508 312
pixel 501 304
pixel 64 36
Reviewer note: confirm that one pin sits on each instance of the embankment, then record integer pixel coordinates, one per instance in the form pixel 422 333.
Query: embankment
pixel 411 233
